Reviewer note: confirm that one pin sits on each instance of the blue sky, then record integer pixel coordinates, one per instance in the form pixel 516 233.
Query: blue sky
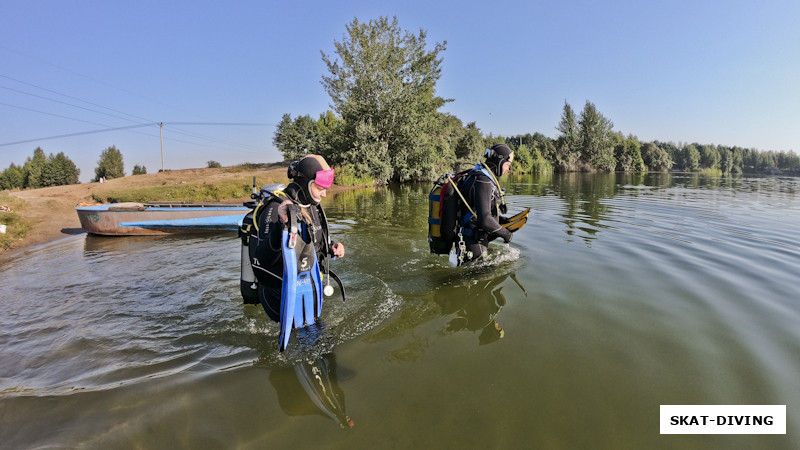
pixel 712 72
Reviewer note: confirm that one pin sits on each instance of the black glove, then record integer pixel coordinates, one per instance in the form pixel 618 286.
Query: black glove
pixel 503 208
pixel 506 235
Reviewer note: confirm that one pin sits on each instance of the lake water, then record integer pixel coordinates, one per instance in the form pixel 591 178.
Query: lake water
pixel 623 293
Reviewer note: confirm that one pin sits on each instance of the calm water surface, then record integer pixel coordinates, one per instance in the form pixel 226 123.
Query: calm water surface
pixel 621 294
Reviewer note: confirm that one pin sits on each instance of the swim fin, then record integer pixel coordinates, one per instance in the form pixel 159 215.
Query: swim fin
pixel 514 226
pixel 308 296
pixel 301 294
pixel 515 217
pixel 516 221
pixel 289 288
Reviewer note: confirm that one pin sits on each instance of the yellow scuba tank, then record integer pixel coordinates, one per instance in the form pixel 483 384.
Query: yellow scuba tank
pixel 435 199
pixel 443 213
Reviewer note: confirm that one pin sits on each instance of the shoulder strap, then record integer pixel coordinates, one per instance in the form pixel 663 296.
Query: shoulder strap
pixel 458 191
pixel 276 195
pixel 485 169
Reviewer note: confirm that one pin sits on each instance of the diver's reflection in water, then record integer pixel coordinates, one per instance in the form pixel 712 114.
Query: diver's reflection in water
pixel 311 388
pixel 476 307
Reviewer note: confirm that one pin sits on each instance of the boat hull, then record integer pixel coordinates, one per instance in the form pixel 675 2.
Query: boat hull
pixel 148 219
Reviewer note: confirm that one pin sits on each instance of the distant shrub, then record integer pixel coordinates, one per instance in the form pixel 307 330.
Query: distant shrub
pixel 214 165
pixel 347 176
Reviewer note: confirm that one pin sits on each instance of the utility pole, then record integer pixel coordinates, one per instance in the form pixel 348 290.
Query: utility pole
pixel 161 129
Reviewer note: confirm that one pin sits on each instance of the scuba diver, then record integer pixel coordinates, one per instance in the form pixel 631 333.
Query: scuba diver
pixel 287 248
pixel 481 191
pixel 462 209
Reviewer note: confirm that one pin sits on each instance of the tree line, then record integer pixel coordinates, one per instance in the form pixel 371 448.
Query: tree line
pixel 57 170
pixel 385 123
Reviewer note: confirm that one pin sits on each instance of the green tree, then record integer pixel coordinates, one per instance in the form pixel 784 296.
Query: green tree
pixel 59 170
pixel 470 147
pixel 382 85
pixel 296 138
pixel 211 164
pixel 789 161
pixel 597 147
pixel 738 160
pixel 12 178
pixel 33 168
pixel 628 154
pixel 709 156
pixel 656 158
pixel 522 158
pixel 449 132
pixel 139 170
pixel 545 145
pixel 690 158
pixel 726 159
pixel 766 161
pixel 110 164
pixel 568 145
pixel 328 135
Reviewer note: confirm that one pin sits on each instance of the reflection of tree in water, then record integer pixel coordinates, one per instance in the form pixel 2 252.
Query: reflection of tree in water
pixel 311 388
pixel 395 205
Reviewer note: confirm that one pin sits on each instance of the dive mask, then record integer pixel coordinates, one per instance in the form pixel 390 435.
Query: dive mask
pixel 324 178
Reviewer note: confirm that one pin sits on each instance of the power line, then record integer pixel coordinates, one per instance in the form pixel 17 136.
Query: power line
pixel 81 133
pixel 65 103
pixel 88 77
pixel 73 98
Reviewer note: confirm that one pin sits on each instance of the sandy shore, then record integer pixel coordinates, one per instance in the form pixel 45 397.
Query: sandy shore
pixel 51 210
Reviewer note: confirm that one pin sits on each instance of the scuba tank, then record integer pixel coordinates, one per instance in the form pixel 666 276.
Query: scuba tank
pixel 248 285
pixel 444 209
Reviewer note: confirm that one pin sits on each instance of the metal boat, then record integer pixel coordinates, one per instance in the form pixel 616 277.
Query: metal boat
pixel 137 219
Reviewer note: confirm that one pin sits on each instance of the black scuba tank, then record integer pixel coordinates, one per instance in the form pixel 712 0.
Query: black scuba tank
pixel 248 284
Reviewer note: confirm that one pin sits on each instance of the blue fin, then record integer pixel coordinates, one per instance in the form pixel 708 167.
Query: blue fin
pixel 308 303
pixel 301 294
pixel 289 289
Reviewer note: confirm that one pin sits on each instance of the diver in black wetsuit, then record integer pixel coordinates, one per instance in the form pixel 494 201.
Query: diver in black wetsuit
pixel 311 177
pixel 481 190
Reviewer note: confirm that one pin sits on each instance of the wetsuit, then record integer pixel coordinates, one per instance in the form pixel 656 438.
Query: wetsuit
pixel 481 193
pixel 266 249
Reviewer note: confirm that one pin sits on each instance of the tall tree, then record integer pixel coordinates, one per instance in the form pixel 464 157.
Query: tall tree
pixel 596 139
pixel 59 171
pixel 110 164
pixel 296 138
pixel 656 158
pixel 629 155
pixel 12 178
pixel 690 158
pixel 470 146
pixel 709 156
pixel 33 169
pixel 726 159
pixel 383 86
pixel 568 145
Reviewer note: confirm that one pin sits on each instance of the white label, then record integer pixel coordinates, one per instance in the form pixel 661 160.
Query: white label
pixel 723 419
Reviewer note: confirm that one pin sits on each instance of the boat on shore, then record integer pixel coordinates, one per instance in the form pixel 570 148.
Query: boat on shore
pixel 157 218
